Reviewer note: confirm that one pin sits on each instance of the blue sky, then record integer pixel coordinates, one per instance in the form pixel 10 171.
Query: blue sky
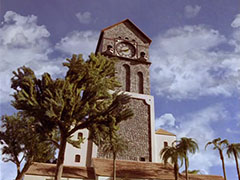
pixel 195 57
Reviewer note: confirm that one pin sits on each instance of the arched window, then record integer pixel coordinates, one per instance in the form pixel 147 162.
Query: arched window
pixel 140 82
pixel 77 158
pixel 127 77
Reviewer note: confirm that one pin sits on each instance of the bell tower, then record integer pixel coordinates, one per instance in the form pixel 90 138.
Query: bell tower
pixel 127 42
pixel 130 45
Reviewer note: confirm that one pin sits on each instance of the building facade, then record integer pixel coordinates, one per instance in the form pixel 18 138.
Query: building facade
pixel 130 45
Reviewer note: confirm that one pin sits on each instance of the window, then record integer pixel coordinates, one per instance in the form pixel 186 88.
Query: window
pixel 127 77
pixel 77 158
pixel 140 82
pixel 165 143
pixel 80 135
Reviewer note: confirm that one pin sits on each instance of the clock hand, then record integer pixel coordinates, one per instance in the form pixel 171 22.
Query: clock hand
pixel 124 50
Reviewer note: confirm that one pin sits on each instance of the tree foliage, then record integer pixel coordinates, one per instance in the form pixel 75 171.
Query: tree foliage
pixel 195 171
pixel 234 150
pixel 114 145
pixel 81 100
pixel 21 144
pixel 174 154
pixel 187 145
pixel 179 152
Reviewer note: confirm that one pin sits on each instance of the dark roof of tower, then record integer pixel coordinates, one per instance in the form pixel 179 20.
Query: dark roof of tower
pixel 131 26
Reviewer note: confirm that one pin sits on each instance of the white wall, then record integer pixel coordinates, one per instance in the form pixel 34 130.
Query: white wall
pixel 71 151
pixel 159 144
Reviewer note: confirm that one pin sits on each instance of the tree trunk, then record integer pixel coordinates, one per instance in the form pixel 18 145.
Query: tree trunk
pixel 18 169
pixel 114 166
pixel 236 159
pixel 20 174
pixel 186 169
pixel 60 160
pixel 176 171
pixel 223 165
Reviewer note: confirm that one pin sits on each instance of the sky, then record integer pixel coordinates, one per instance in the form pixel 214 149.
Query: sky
pixel 195 55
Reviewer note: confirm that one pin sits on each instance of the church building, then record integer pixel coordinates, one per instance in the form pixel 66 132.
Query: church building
pixel 130 45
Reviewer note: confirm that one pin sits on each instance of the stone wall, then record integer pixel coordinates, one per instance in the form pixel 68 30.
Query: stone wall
pixel 109 37
pixel 122 32
pixel 134 69
pixel 137 132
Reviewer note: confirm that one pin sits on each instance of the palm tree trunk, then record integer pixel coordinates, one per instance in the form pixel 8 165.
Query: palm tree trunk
pixel 223 164
pixel 60 160
pixel 236 159
pixel 176 171
pixel 186 169
pixel 114 166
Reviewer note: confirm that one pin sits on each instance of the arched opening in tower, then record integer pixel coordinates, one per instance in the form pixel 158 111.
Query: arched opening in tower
pixel 140 82
pixel 127 77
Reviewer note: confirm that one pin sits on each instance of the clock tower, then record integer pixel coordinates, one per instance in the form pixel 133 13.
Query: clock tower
pixel 130 45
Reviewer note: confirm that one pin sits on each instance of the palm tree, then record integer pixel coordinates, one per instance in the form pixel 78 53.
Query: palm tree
pixel 192 171
pixel 187 145
pixel 115 145
pixel 219 145
pixel 174 154
pixel 234 149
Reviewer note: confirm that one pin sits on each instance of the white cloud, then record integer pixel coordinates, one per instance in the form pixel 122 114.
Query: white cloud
pixel 236 21
pixel 23 42
pixel 191 11
pixel 187 64
pixel 235 41
pixel 165 120
pixel 77 42
pixel 229 130
pixel 84 18
pixel 198 125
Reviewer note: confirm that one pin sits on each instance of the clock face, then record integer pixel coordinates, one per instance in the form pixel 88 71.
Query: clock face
pixel 125 49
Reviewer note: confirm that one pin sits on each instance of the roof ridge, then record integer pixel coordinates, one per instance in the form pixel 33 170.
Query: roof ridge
pixel 164 132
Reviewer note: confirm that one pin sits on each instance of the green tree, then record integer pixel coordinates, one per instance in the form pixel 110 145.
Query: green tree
pixel 187 145
pixel 108 139
pixel 174 154
pixel 81 100
pixel 234 149
pixel 21 144
pixel 192 171
pixel 114 145
pixel 219 145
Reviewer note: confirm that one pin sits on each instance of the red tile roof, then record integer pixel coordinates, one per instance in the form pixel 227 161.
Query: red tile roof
pixel 164 132
pixel 133 26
